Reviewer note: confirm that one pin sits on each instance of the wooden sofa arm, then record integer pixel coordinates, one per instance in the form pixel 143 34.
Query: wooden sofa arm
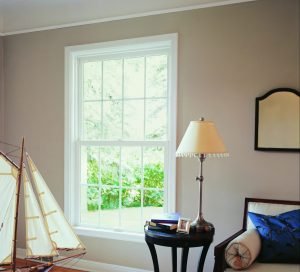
pixel 220 263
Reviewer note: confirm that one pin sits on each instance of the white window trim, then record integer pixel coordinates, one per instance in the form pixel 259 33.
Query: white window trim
pixel 72 55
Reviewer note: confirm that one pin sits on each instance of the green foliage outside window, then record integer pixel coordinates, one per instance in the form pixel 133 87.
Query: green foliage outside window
pixel 153 184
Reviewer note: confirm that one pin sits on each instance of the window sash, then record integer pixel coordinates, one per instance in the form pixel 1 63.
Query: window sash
pixel 122 99
pixel 120 186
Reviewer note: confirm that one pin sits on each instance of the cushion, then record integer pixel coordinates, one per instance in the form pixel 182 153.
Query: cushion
pixel 243 250
pixel 270 267
pixel 269 209
pixel 280 236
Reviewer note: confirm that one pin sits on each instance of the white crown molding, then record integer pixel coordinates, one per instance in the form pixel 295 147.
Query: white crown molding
pixel 143 14
pixel 90 266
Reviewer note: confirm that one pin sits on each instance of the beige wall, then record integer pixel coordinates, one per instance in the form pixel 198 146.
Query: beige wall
pixel 227 56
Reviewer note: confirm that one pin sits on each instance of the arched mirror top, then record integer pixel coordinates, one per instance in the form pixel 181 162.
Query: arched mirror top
pixel 277 120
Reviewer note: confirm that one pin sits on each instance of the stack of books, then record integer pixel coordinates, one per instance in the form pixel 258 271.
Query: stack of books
pixel 165 222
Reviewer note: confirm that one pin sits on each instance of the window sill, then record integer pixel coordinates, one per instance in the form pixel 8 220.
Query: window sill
pixel 110 234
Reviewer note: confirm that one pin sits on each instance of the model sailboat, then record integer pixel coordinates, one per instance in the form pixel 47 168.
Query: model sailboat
pixel 47 231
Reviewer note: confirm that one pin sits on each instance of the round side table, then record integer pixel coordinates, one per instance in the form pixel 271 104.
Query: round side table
pixel 181 240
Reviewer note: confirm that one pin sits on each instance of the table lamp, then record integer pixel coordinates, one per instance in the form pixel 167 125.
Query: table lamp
pixel 201 140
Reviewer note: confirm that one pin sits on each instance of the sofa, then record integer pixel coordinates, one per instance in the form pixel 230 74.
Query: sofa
pixel 269 240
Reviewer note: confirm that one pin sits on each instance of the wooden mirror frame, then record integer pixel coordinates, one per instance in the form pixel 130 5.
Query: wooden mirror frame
pixel 271 147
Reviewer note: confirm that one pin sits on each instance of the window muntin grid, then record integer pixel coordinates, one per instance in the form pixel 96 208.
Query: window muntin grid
pixel 126 112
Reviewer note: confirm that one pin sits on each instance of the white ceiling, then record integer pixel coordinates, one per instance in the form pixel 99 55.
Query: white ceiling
pixel 18 16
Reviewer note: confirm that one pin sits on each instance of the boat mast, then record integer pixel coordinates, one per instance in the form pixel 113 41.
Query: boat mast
pixel 17 209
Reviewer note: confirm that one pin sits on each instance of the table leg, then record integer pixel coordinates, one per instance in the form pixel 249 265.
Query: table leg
pixel 202 258
pixel 174 259
pixel 184 257
pixel 154 256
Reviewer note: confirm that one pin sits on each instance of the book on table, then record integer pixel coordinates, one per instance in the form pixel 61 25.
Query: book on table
pixel 163 227
pixel 166 226
pixel 165 222
pixel 169 218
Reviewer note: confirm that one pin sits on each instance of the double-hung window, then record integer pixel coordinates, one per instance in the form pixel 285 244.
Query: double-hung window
pixel 120 133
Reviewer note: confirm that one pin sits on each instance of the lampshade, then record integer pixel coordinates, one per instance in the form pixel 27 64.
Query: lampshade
pixel 201 137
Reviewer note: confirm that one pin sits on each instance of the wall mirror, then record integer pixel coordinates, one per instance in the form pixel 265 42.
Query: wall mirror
pixel 277 120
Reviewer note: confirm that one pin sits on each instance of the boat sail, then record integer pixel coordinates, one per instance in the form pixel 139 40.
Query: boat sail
pixel 8 187
pixel 38 241
pixel 47 231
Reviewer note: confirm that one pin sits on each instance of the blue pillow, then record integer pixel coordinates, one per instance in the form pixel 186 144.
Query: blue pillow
pixel 280 236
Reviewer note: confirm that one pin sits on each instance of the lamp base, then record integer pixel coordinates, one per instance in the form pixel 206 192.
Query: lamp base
pixel 200 225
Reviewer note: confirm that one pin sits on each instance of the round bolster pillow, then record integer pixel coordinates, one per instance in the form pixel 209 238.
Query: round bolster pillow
pixel 241 252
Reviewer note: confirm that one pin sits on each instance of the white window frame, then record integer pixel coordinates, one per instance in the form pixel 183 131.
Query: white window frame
pixel 72 58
